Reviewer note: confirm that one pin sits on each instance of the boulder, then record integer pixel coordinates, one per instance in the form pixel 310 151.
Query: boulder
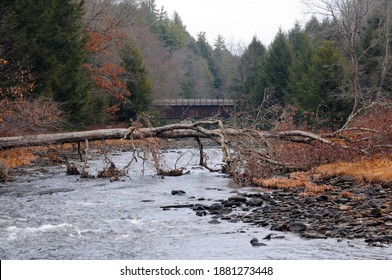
pixel 238 198
pixel 254 202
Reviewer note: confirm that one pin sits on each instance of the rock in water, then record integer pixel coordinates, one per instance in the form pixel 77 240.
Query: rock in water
pixel 255 243
pixel 239 198
pixel 297 227
pixel 178 192
pixel 268 236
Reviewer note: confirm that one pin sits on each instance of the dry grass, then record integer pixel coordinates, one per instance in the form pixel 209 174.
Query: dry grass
pixel 24 156
pixel 374 170
pixel 295 180
pixel 18 157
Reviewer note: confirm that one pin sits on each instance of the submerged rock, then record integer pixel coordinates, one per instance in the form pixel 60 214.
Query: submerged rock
pixel 178 192
pixel 255 243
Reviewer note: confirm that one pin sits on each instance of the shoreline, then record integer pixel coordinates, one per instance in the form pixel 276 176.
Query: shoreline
pixel 366 215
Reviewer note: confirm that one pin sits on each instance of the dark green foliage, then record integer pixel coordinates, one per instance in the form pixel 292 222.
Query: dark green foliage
pixel 249 67
pixel 172 32
pixel 47 34
pixel 318 92
pixel 138 83
pixel 275 73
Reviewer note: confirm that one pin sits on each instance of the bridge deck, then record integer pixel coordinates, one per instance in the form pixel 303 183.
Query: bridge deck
pixel 194 108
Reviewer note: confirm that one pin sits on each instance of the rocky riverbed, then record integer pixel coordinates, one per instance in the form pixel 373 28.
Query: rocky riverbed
pixel 350 210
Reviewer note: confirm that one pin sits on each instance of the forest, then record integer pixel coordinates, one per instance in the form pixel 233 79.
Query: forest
pixel 93 63
pixel 90 64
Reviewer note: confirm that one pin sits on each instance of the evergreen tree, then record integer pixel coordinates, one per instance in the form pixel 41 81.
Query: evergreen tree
pixel 275 73
pixel 48 35
pixel 202 47
pixel 301 59
pixel 138 83
pixel 320 88
pixel 225 68
pixel 249 67
pixel 172 32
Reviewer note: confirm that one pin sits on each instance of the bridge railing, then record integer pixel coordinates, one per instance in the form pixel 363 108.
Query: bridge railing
pixel 193 102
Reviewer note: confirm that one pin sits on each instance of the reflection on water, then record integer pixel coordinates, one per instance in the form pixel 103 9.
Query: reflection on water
pixel 45 214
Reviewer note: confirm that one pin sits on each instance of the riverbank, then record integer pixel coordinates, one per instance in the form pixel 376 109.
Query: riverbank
pixel 348 210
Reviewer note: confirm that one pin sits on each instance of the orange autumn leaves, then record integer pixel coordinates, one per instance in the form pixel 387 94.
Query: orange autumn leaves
pixel 105 73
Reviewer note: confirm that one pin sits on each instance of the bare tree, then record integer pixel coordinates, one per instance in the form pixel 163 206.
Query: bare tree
pixel 386 7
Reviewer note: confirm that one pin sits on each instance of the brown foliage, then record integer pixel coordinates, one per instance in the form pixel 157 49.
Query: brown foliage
pixel 370 132
pixel 17 157
pixel 103 68
pixel 279 151
pixel 24 116
pixel 16 82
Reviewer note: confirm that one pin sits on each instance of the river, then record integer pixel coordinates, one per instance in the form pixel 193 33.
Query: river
pixel 45 214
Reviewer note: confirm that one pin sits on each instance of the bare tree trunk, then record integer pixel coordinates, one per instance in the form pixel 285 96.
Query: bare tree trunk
pixel 60 138
pixel 385 63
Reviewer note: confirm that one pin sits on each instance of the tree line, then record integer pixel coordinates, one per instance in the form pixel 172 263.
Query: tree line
pixel 74 63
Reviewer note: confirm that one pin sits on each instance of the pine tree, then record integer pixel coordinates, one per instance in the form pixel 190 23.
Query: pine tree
pixel 320 88
pixel 249 67
pixel 172 32
pixel 48 35
pixel 138 83
pixel 275 73
pixel 302 51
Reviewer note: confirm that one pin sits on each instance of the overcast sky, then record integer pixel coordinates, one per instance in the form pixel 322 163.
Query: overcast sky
pixel 237 20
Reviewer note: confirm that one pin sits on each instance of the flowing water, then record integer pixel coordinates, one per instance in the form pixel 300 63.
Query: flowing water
pixel 45 214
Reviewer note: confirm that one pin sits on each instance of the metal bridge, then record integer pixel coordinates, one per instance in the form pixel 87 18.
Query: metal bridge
pixel 194 108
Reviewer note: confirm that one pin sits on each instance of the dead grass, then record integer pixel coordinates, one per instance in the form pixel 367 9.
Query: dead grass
pixel 295 180
pixel 374 170
pixel 18 157
pixel 24 156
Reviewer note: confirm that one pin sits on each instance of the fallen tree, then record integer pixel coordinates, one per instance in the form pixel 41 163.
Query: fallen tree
pixel 174 131
pixel 211 129
pixel 246 151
